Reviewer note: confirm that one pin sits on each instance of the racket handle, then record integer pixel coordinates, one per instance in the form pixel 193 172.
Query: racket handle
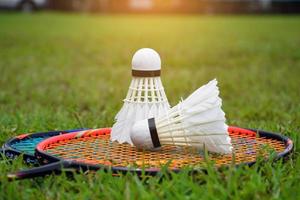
pixel 39 171
pixel 2 152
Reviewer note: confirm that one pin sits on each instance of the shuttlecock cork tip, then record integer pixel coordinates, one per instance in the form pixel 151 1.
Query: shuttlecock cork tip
pixel 140 135
pixel 146 59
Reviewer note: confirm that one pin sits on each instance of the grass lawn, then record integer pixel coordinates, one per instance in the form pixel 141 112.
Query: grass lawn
pixel 54 67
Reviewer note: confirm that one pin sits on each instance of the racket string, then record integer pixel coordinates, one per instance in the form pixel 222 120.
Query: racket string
pixel 98 149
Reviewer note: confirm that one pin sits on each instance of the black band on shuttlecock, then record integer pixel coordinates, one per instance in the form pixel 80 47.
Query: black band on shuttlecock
pixel 139 73
pixel 153 133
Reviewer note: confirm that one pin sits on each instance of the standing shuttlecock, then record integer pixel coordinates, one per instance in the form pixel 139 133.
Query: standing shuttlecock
pixel 198 121
pixel 146 96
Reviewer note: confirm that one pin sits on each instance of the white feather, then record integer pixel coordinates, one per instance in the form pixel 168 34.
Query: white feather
pixel 206 91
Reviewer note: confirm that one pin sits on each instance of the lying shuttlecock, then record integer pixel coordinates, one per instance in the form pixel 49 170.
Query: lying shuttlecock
pixel 198 121
pixel 146 96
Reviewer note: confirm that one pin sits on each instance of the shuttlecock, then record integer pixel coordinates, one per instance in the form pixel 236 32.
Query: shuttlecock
pixel 198 121
pixel 146 96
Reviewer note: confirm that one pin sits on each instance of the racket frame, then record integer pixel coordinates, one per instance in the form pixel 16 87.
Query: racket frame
pixel 45 158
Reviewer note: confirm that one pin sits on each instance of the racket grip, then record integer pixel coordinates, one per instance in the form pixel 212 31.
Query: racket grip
pixel 2 152
pixel 39 171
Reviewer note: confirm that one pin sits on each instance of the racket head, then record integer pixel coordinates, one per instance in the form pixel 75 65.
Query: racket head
pixel 92 149
pixel 26 143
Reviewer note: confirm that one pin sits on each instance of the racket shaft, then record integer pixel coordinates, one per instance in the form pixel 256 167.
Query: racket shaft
pixel 40 171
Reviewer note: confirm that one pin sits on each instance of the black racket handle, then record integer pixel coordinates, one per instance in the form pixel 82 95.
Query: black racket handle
pixel 1 151
pixel 55 167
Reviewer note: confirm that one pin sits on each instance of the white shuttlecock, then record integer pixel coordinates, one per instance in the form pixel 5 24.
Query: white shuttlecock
pixel 198 121
pixel 146 96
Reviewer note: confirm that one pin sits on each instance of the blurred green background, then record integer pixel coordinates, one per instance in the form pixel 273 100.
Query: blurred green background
pixel 64 71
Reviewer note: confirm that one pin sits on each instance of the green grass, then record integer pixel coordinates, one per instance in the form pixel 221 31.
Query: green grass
pixel 56 66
